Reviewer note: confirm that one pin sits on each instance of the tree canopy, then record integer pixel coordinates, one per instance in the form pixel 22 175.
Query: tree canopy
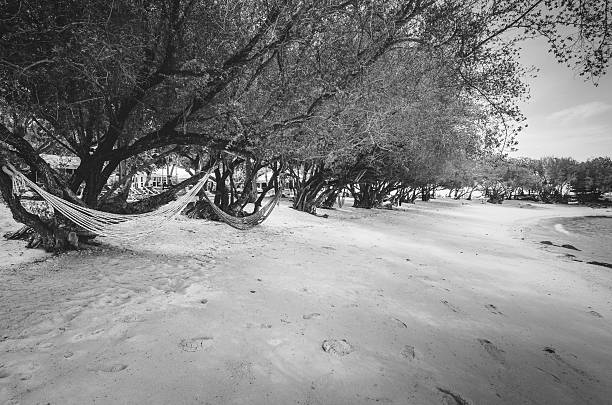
pixel 383 93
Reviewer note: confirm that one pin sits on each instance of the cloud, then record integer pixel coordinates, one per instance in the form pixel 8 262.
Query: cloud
pixel 580 112
pixel 580 142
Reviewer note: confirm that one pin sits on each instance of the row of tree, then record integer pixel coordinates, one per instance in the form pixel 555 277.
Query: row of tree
pixel 547 179
pixel 377 96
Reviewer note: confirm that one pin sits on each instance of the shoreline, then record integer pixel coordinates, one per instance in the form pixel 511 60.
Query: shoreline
pixel 586 243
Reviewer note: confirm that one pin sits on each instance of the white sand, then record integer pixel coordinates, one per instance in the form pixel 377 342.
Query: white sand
pixel 441 303
pixel 12 252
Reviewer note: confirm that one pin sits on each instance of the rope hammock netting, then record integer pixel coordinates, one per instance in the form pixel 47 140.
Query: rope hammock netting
pixel 122 226
pixel 248 222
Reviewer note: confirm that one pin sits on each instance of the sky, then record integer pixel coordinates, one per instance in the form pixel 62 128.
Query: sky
pixel 566 116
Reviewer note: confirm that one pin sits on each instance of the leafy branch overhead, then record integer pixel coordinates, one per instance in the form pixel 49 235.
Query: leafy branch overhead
pixel 396 86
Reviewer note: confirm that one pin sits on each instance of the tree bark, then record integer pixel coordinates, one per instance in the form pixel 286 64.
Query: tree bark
pixel 307 192
pixel 51 235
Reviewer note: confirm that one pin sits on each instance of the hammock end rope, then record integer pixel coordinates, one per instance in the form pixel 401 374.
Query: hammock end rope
pixel 105 223
pixel 18 183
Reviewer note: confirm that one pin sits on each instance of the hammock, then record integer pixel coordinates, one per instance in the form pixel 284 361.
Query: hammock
pixel 250 221
pixel 106 223
pixel 122 226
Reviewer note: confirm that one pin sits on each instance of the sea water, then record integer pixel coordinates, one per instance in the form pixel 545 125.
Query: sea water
pixel 592 234
pixel 596 226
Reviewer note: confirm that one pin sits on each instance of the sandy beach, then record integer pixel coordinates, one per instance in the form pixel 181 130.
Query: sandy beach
pixel 445 302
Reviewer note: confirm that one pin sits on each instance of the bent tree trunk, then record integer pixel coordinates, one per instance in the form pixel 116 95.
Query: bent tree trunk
pixel 469 197
pixel 369 195
pixel 57 233
pixel 496 195
pixel 272 184
pixel 425 193
pixel 307 193
pixel 154 202
pixel 235 205
pixel 329 197
pixel 364 196
pixel 249 190
pixel 52 234
pixel 408 195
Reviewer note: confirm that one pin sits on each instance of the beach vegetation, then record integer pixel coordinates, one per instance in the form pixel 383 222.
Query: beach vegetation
pixel 377 98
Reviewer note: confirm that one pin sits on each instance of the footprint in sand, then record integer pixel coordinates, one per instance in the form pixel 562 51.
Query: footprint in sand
pixel 557 379
pixel 380 400
pixel 493 309
pixel 595 314
pixel 399 323
pixel 133 318
pixel 408 352
pixel 452 398
pixel 450 306
pixel 108 367
pixel 45 346
pixel 339 347
pixel 493 350
pixel 240 371
pixel 552 352
pixel 22 371
pixel 87 336
pixel 195 344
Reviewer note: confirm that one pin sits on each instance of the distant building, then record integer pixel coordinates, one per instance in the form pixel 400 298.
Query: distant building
pixel 263 178
pixel 165 176
pixel 64 165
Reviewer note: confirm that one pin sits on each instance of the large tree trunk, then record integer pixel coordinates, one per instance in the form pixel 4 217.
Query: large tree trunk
pixel 272 184
pixel 425 193
pixel 469 197
pixel 202 208
pixel 496 195
pixel 152 203
pixel 370 195
pixel 54 234
pixel 308 191
pixel 119 192
pixel 329 197
pixel 249 191
pixel 364 196
pixel 93 186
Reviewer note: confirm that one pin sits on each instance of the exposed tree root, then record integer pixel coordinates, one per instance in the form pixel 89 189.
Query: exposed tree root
pixel 22 233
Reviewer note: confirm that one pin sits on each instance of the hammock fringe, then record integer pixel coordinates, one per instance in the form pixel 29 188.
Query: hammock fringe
pixel 250 221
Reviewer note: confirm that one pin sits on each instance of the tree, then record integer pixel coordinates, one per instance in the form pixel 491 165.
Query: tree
pixel 111 82
pixel 592 178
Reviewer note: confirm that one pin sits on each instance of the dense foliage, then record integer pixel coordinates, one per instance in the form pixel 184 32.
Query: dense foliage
pixel 547 179
pixel 380 97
